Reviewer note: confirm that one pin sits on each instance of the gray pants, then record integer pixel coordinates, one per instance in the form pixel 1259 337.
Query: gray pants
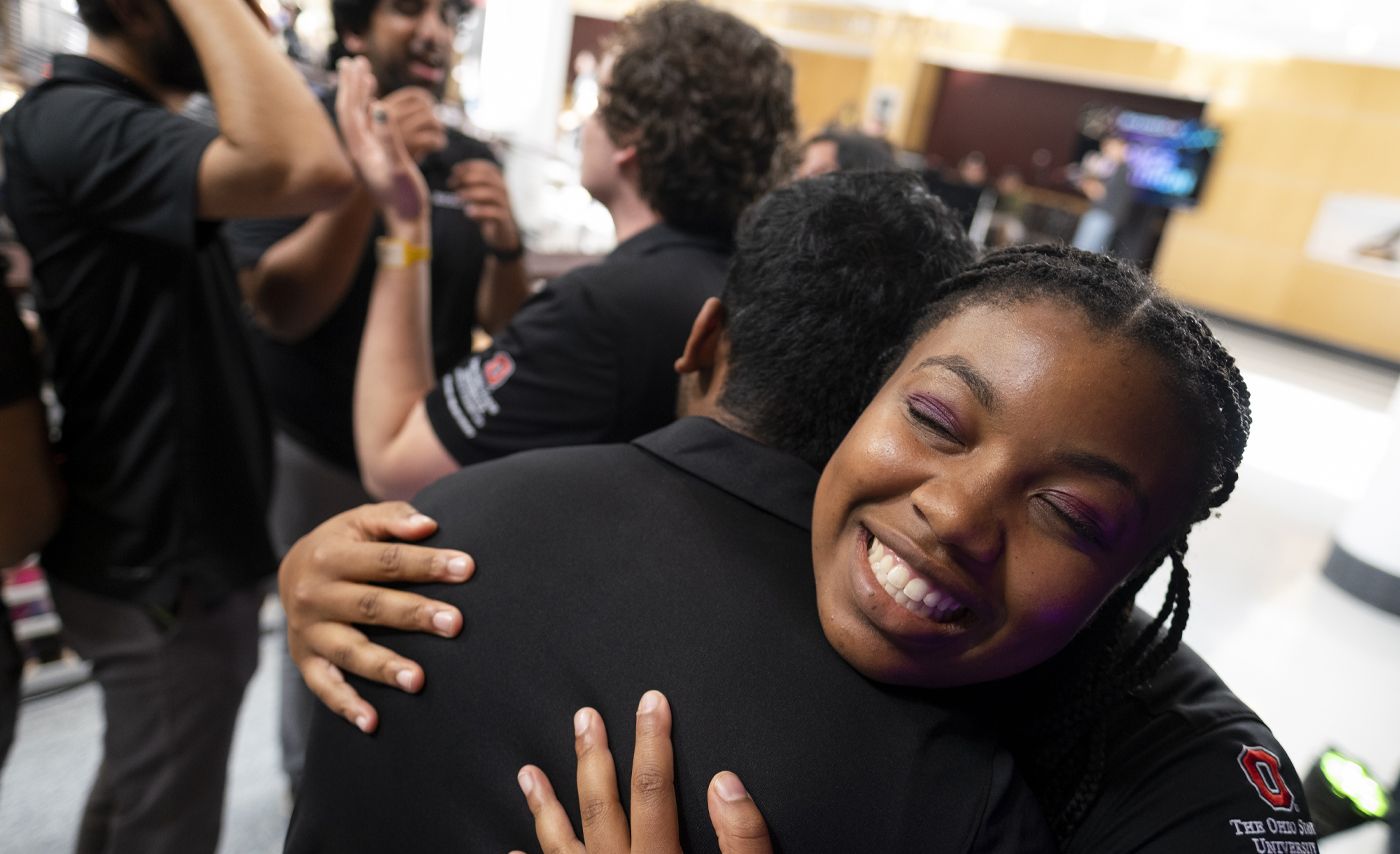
pixel 309 490
pixel 171 698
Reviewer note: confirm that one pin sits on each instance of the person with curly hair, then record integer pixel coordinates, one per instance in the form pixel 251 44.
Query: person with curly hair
pixel 695 123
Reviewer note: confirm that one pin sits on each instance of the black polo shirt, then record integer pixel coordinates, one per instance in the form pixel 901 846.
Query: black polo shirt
pixel 680 562
pixel 1191 768
pixel 165 443
pixel 590 358
pixel 311 382
pixel 18 377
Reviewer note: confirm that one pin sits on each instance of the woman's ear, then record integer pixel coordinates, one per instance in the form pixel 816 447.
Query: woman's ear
pixel 702 347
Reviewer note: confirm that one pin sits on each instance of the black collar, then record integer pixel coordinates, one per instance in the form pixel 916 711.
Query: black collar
pixel 771 480
pixel 662 236
pixel 71 68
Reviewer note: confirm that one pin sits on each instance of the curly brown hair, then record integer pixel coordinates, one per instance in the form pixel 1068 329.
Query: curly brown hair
pixel 707 101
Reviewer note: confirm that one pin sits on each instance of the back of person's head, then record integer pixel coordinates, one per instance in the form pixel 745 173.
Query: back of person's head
pixel 828 275
pixel 98 17
pixel 707 101
pixel 1062 741
pixel 857 151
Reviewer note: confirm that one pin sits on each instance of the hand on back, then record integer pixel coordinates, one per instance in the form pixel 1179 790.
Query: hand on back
pixel 330 580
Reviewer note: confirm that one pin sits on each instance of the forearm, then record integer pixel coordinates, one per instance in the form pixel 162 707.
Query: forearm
pixel 29 478
pixel 266 111
pixel 395 370
pixel 504 288
pixel 301 279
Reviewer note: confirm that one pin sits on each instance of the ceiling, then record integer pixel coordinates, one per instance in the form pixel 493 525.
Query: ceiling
pixel 1354 31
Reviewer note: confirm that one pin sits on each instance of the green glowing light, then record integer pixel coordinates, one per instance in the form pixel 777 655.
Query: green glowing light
pixel 1351 780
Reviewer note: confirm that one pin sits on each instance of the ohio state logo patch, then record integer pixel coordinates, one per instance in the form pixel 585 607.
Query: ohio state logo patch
pixel 497 370
pixel 1261 767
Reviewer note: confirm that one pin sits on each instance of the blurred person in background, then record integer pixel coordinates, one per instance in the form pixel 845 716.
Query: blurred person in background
pixel 694 123
pixel 319 271
pixel 844 151
pixel 1104 180
pixel 165 442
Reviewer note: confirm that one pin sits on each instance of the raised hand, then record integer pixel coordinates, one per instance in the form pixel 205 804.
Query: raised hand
pixel 377 146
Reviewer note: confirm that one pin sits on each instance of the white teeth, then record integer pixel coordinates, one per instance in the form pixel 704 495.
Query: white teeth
pixel 912 592
pixel 917 589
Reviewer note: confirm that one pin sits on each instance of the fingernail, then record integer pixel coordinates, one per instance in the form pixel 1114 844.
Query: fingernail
pixel 419 519
pixel 580 722
pixel 442 621
pixel 405 678
pixel 729 789
pixel 650 700
pixel 362 723
pixel 527 782
pixel 457 567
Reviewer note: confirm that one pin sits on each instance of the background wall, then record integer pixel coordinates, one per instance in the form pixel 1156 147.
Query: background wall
pixel 1295 131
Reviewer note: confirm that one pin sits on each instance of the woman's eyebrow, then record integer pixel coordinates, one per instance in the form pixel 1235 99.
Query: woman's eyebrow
pixel 1094 464
pixel 980 388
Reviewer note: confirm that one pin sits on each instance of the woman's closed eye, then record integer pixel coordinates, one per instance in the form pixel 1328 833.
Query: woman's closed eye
pixel 934 416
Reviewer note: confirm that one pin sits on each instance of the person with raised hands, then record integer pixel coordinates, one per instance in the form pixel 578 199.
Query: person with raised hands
pixel 164 441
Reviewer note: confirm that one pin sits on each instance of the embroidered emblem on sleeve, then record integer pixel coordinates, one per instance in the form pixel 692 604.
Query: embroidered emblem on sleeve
pixel 1261 767
pixel 1267 834
pixel 468 391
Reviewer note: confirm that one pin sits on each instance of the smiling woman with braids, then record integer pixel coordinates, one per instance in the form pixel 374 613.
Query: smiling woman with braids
pixel 1044 441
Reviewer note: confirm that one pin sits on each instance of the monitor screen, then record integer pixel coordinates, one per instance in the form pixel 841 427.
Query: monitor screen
pixel 1167 158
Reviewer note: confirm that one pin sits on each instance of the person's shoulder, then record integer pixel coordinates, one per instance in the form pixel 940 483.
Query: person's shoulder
pixel 536 475
pixel 1190 764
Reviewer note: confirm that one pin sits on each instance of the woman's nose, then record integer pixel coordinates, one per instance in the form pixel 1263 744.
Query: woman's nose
pixel 961 514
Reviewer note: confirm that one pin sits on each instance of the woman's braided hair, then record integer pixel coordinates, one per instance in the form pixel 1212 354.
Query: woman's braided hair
pixel 1061 744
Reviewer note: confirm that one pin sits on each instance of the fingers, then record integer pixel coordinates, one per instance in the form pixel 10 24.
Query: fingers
pixel 738 823
pixel 552 826
pixel 350 651
pixel 604 821
pixel 369 605
pixel 386 520
pixel 328 684
pixel 654 823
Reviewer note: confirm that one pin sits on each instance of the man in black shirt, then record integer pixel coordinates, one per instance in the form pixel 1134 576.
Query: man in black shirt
pixel 693 124
pixel 611 569
pixel 321 270
pixel 164 437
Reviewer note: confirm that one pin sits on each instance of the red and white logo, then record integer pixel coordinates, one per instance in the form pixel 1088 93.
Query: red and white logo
pixel 1261 767
pixel 497 370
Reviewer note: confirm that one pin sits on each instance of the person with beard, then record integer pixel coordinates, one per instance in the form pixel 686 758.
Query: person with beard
pixel 320 270
pixel 694 123
pixel 165 439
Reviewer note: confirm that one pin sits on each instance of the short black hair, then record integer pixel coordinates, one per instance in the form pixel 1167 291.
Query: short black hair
pixel 97 16
pixel 1055 715
pixel 828 275
pixel 858 151
pixel 707 101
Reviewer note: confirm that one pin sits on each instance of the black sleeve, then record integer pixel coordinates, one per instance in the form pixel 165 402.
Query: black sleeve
pixel 249 239
pixel 127 165
pixel 18 374
pixel 1224 788
pixel 550 379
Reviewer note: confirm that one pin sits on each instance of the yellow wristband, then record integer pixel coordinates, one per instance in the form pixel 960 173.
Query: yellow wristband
pixel 398 254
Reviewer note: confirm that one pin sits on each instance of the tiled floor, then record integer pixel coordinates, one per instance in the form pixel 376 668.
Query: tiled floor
pixel 1320 666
